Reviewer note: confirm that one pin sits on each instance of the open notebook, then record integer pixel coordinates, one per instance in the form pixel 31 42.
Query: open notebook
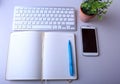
pixel 35 56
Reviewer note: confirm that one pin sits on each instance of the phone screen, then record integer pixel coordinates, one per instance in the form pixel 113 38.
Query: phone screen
pixel 89 40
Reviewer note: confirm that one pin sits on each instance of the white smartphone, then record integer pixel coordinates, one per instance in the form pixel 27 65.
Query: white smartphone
pixel 89 41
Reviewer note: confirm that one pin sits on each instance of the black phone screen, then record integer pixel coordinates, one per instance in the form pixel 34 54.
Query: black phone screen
pixel 89 40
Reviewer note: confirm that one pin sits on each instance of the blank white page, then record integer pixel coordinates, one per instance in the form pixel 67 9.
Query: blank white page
pixel 24 57
pixel 55 56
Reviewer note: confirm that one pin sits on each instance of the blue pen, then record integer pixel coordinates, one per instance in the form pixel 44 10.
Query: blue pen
pixel 71 68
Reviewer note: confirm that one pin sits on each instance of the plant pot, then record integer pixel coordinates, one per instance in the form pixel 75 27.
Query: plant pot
pixel 84 17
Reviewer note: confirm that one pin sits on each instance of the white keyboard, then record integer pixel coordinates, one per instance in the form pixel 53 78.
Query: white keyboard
pixel 44 18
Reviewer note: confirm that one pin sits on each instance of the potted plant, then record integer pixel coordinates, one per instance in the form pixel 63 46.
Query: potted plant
pixel 92 8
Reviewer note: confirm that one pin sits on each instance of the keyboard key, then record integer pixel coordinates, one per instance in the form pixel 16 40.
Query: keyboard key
pixel 42 27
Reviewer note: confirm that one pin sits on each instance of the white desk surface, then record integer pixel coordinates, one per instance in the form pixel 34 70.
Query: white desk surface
pixel 104 69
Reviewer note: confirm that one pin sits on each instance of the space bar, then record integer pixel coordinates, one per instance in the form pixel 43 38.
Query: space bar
pixel 42 27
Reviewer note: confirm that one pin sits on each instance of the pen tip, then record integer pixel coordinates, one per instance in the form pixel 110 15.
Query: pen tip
pixel 69 41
